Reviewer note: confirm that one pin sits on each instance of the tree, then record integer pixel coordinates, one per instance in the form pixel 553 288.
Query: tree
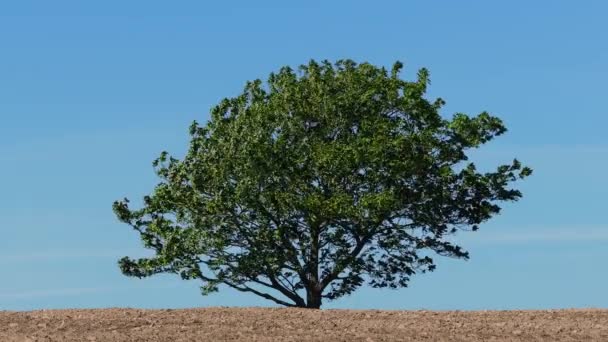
pixel 323 179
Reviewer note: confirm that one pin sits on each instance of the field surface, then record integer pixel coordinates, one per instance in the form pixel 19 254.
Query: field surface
pixel 268 324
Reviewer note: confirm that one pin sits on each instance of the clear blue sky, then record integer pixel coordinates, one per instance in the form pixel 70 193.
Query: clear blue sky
pixel 92 92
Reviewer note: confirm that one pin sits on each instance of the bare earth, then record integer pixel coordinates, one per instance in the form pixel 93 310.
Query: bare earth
pixel 268 324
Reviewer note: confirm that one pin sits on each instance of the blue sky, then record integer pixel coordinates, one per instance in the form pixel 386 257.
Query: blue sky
pixel 91 93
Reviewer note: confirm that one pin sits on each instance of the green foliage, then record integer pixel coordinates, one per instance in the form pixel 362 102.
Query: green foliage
pixel 317 182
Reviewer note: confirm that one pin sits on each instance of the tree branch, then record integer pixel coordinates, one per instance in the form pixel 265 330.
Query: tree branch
pixel 245 288
pixel 337 270
pixel 289 294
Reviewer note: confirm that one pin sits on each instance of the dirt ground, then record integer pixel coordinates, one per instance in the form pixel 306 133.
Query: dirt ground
pixel 268 324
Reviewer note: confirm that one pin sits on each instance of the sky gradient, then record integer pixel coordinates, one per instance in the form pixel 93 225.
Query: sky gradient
pixel 90 94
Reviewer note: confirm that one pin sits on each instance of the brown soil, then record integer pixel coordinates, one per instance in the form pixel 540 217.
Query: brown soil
pixel 267 324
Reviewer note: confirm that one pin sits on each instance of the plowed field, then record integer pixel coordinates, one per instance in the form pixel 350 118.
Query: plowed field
pixel 269 324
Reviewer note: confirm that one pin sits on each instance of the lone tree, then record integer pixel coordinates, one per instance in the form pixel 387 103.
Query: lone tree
pixel 304 188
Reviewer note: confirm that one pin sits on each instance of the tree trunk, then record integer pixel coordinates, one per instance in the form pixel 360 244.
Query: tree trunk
pixel 313 298
pixel 313 292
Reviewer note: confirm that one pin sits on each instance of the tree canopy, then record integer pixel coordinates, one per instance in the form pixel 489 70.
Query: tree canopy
pixel 320 180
